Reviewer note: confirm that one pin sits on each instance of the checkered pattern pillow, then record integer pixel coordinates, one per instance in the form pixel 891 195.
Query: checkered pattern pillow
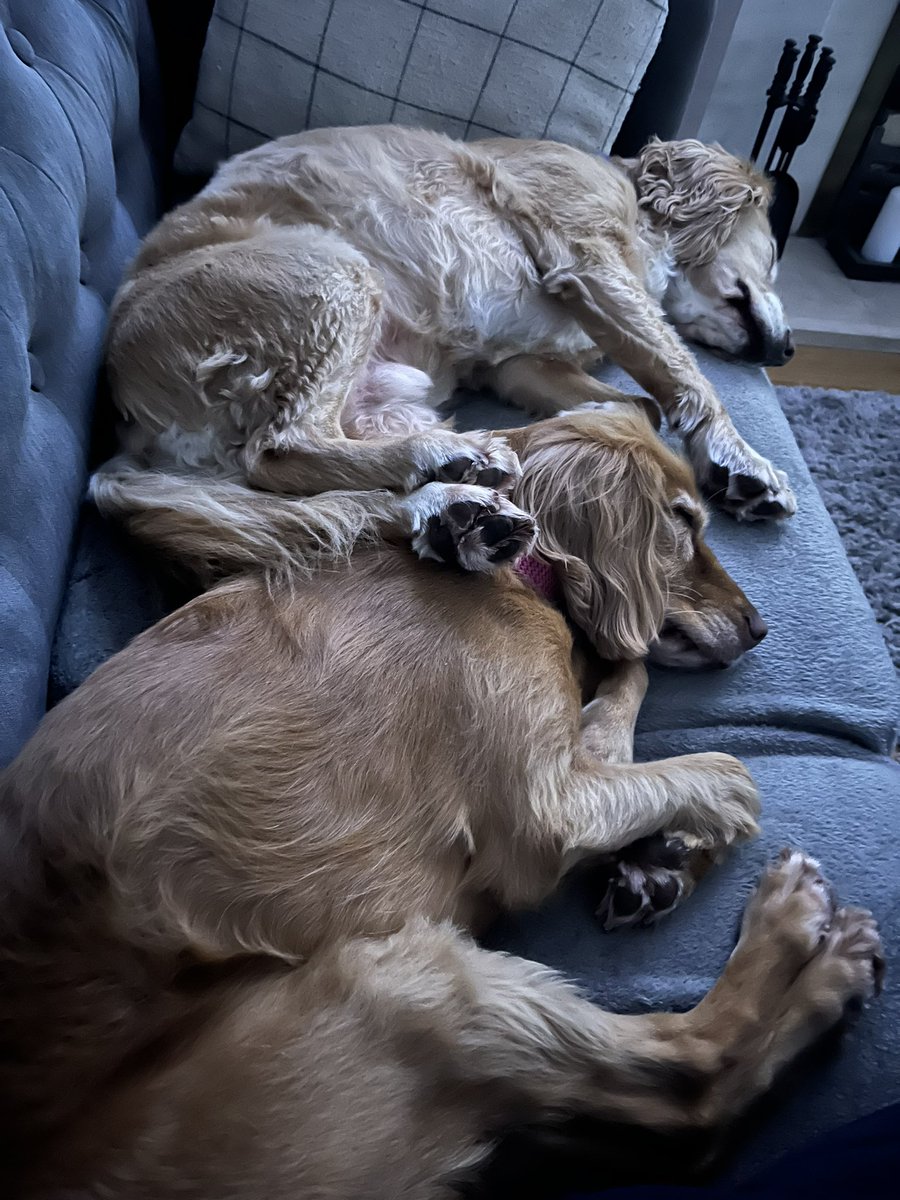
pixel 561 69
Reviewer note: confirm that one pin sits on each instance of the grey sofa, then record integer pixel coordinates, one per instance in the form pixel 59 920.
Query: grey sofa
pixel 84 142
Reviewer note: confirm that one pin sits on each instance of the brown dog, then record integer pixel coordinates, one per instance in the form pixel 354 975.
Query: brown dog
pixel 242 855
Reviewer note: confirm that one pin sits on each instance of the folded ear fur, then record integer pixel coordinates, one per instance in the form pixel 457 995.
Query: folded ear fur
pixel 695 191
pixel 598 504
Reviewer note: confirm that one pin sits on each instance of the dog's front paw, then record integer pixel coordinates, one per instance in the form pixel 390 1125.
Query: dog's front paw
pixel 477 458
pixel 724 805
pixel 467 526
pixel 741 482
pixel 763 496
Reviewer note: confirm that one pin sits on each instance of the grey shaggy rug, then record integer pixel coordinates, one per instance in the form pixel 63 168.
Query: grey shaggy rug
pixel 851 443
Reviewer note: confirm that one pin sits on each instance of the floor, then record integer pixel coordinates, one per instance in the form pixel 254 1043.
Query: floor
pixel 847 331
pixel 825 308
pixel 843 369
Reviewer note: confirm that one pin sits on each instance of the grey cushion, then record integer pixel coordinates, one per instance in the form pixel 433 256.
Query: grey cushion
pixel 115 590
pixel 470 68
pixel 844 811
pixel 76 193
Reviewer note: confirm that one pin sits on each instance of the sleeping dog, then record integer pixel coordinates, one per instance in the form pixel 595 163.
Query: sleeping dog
pixel 244 860
pixel 296 326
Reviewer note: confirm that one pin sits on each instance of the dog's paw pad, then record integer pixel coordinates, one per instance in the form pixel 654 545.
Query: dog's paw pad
pixel 644 881
pixel 748 487
pixel 480 459
pixel 492 477
pixel 475 529
pixel 460 469
pixel 758 498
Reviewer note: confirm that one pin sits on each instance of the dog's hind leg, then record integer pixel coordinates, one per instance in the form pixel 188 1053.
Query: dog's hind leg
pixel 260 345
pixel 796 965
pixel 217 527
pixel 547 386
pixel 387 1065
pixel 322 382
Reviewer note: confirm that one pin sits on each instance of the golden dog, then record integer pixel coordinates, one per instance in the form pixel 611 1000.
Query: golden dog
pixel 296 325
pixel 241 861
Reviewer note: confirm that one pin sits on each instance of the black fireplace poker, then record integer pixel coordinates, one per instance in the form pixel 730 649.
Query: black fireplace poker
pixel 776 94
pixel 801 110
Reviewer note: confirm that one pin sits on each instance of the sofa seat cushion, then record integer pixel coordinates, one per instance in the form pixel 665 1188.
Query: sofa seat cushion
pixel 846 812
pixel 823 670
pixel 76 194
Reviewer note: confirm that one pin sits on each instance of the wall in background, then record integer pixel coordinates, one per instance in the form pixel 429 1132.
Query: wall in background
pixel 710 65
pixel 734 102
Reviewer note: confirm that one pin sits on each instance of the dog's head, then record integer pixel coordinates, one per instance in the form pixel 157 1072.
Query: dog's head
pixel 622 523
pixel 713 208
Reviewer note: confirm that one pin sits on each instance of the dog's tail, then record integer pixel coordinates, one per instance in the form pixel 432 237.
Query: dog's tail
pixel 217 527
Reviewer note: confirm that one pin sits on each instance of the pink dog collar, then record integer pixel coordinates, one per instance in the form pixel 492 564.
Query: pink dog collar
pixel 539 575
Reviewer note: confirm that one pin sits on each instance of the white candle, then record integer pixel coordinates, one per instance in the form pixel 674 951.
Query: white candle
pixel 883 242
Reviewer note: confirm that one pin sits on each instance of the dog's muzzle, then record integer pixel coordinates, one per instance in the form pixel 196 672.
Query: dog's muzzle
pixel 768 351
pixel 766 347
pixel 688 646
pixel 780 352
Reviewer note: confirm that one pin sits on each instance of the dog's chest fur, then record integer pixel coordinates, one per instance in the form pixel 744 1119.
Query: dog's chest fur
pixel 480 296
pixel 490 302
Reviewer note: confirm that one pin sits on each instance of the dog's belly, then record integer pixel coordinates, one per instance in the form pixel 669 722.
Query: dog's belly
pixel 488 323
pixel 492 327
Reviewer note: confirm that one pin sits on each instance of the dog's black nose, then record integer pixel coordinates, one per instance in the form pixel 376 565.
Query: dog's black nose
pixel 756 626
pixel 776 353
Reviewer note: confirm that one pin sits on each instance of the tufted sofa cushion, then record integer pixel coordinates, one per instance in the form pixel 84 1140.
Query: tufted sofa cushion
pixel 76 194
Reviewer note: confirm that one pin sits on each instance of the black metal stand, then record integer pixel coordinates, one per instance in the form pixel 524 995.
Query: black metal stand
pixel 796 125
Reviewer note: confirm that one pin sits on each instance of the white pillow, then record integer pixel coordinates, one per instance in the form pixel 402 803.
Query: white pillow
pixel 560 69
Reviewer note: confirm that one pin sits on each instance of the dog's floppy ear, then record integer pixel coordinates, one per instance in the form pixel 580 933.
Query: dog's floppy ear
pixel 695 191
pixel 598 503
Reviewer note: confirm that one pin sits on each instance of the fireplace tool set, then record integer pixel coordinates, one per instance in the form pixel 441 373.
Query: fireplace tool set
pixel 800 110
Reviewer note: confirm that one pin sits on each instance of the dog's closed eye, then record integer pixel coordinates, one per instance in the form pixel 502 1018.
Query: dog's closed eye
pixel 685 514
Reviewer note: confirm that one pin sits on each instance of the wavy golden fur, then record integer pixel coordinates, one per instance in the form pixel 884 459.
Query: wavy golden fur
pixel 611 565
pixel 241 861
pixel 294 327
pixel 696 192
